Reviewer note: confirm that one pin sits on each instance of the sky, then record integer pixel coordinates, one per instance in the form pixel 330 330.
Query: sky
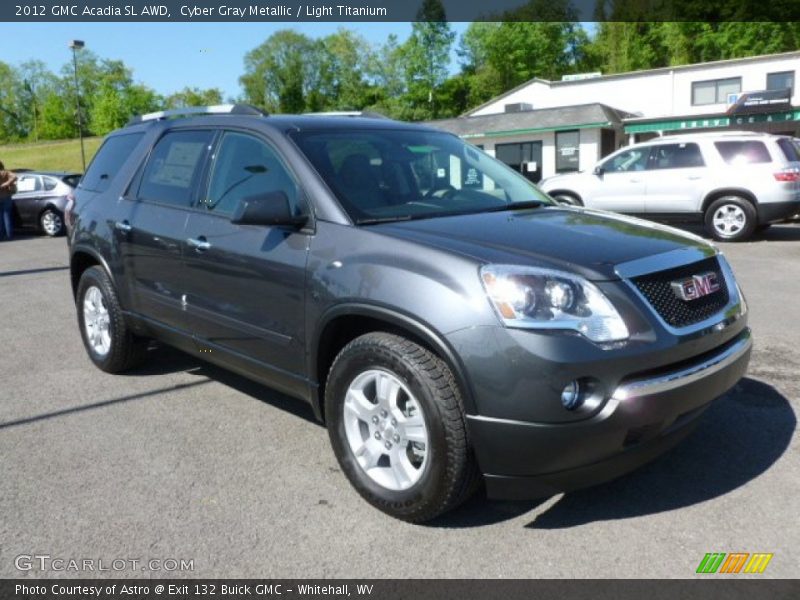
pixel 170 56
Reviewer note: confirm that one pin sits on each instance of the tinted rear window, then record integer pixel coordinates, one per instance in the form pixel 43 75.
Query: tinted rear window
pixel 110 158
pixel 746 152
pixel 71 180
pixel 790 149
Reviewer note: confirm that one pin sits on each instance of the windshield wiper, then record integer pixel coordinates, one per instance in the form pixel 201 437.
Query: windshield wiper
pixel 375 220
pixel 518 206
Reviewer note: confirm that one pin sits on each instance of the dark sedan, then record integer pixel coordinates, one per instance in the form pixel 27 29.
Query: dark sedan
pixel 41 198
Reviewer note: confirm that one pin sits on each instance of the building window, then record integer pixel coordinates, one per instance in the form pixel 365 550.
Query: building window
pixel 715 91
pixel 781 81
pixel 567 151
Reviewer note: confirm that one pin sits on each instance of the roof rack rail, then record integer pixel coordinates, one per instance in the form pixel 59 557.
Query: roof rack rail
pixel 218 109
pixel 366 114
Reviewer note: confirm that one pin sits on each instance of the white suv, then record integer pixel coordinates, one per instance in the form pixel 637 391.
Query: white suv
pixel 735 182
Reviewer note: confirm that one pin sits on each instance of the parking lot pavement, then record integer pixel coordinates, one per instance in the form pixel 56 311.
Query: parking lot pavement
pixel 181 460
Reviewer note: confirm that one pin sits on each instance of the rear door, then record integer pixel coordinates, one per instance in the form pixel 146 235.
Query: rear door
pixel 152 239
pixel 676 178
pixel 245 284
pixel 621 184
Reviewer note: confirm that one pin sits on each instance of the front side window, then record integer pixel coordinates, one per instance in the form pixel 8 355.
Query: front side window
pixel 393 174
pixel 50 184
pixel 715 91
pixel 743 152
pixel 634 159
pixel 29 183
pixel 172 169
pixel 676 156
pixel 781 81
pixel 244 167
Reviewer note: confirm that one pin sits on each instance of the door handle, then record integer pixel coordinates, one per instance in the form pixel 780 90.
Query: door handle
pixel 123 226
pixel 199 244
pixel 694 177
pixel 634 180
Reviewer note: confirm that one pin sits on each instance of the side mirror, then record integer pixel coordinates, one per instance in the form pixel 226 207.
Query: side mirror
pixel 271 208
pixel 599 170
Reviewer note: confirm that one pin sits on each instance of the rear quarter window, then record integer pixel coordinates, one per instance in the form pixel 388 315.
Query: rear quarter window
pixel 108 161
pixel 743 152
pixel 790 149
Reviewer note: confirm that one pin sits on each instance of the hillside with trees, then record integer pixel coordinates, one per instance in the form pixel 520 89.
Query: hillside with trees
pixel 411 79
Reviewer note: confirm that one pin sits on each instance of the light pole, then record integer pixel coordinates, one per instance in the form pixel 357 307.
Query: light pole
pixel 77 45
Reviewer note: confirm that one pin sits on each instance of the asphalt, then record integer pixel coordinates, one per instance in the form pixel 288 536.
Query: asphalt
pixel 181 460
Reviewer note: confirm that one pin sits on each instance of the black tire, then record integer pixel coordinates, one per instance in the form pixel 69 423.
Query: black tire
pixel 126 350
pixel 450 474
pixel 567 198
pixel 735 205
pixel 51 222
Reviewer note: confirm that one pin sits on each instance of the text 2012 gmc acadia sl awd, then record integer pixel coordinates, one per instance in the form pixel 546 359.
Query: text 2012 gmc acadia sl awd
pixel 447 320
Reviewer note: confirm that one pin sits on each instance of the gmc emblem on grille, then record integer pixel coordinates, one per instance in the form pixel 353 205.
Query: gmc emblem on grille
pixel 696 286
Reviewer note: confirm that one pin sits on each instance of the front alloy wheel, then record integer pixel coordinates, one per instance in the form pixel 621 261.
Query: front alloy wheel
pixel 397 427
pixel 386 429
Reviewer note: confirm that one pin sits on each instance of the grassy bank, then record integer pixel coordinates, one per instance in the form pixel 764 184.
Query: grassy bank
pixel 63 155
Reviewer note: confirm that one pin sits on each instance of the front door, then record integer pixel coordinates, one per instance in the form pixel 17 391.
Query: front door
pixel 245 283
pixel 620 184
pixel 523 157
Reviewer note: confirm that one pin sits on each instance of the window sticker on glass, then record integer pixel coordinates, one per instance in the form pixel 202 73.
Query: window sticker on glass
pixel 441 173
pixel 179 164
pixel 26 184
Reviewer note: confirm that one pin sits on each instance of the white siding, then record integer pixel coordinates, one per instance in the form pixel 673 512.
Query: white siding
pixel 651 94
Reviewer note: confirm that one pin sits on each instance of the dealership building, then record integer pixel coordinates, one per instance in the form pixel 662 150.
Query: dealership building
pixel 546 127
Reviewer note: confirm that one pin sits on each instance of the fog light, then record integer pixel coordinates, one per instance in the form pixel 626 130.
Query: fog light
pixel 571 395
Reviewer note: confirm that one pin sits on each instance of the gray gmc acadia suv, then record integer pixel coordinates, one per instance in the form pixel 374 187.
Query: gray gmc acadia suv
pixel 447 321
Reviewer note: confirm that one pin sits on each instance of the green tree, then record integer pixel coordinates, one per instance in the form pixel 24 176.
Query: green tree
pixel 192 96
pixel 346 60
pixel 12 122
pixel 427 58
pixel 281 74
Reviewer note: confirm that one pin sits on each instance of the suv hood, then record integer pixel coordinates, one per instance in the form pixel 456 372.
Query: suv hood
pixel 588 242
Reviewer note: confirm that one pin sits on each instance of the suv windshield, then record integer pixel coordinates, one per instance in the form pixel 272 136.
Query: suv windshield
pixel 386 175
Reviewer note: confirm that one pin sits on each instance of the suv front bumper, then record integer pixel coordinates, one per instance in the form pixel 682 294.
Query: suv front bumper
pixel 644 417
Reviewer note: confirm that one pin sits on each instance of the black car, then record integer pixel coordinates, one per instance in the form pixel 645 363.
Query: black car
pixel 41 199
pixel 445 319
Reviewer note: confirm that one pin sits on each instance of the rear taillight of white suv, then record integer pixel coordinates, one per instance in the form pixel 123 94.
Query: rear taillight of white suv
pixel 790 174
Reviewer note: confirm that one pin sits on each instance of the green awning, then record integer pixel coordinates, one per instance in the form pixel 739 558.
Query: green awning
pixel 535 130
pixel 712 122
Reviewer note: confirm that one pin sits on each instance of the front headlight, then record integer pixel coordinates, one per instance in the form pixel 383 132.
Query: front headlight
pixel 535 298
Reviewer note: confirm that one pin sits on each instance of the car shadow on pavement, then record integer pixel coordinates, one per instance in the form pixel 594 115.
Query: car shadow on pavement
pixel 738 438
pixel 165 359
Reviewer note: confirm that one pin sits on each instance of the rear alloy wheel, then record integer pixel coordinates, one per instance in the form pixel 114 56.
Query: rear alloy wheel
pixel 731 219
pixel 51 222
pixel 109 342
pixel 397 427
